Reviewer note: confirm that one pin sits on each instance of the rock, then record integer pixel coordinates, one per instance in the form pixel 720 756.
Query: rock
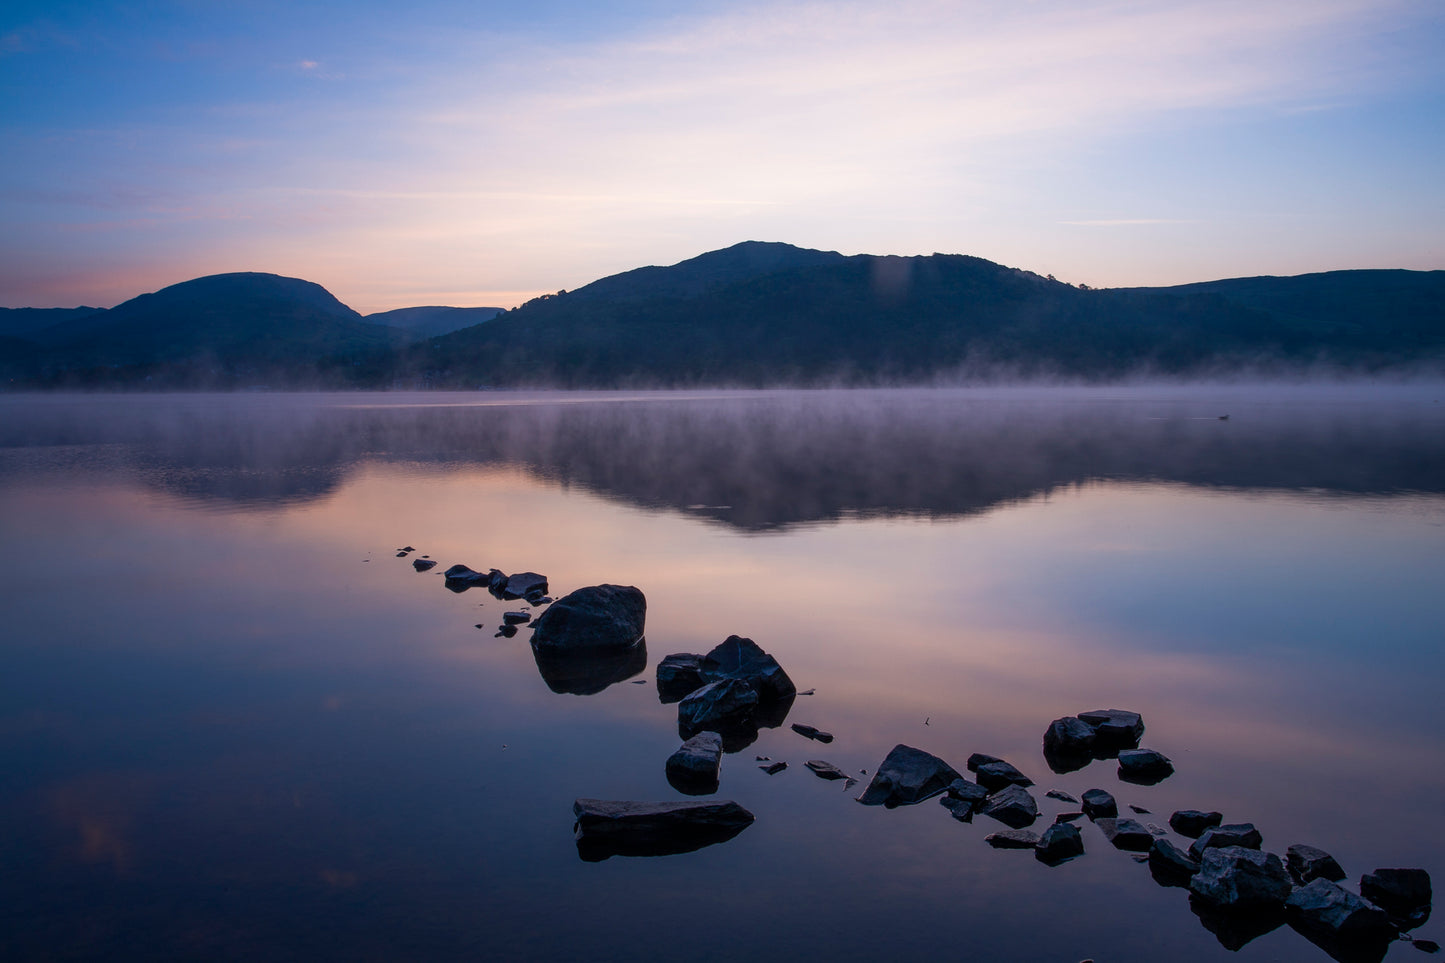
pixel 496 582
pixel 979 759
pixel 407 549
pixel 907 776
pixel 1114 728
pixel 422 564
pixel 725 704
pixel 401 554
pixel 1402 893
pixel 739 658
pixel 1233 877
pixel 1059 842
pixel 1067 817
pixel 459 578
pixel 516 618
pixel 588 671
pixel 825 770
pixel 1068 744
pixel 1061 796
pixel 1339 922
pixel 1170 865
pixel 1126 834
pixel 506 630
pixel 1099 804
pixel 1230 834
pixel 1140 810
pixel 774 769
pixel 960 809
pixel 617 828
pixel 1426 946
pixel 524 584
pixel 1013 839
pixel 970 792
pixel 1306 863
pixel 1155 829
pixel 1193 822
pixel 693 768
pixel 997 774
pixel 812 733
pixel 597 618
pixel 1144 767
pixel 678 675
pixel 1013 807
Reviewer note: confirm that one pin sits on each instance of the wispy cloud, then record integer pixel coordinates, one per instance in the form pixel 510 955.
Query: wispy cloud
pixel 1128 222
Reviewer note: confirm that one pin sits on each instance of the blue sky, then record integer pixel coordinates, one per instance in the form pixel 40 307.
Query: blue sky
pixel 479 153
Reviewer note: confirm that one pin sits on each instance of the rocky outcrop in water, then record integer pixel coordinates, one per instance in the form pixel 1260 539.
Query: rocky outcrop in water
pixel 1060 842
pixel 1306 863
pixel 1144 767
pixel 694 768
pixel 907 776
pixel 1194 822
pixel 598 618
pixel 1404 894
pixel 1235 878
pixel 1339 922
pixel 1012 806
pixel 607 828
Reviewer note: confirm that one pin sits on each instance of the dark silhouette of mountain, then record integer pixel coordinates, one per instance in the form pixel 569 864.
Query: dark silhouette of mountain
pixel 428 322
pixel 32 323
pixel 706 272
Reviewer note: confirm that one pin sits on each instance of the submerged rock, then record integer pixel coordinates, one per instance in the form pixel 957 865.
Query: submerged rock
pixel 1059 842
pixel 774 768
pixel 619 828
pixel 906 776
pixel 1229 834
pixel 1099 804
pixel 1126 834
pixel 811 732
pixel 1402 893
pixel 595 618
pixel 693 768
pixel 1144 767
pixel 1013 839
pixel 1012 806
pixel 1339 922
pixel 1233 877
pixel 1193 822
pixel 1306 863
pixel 1170 865
pixel 997 774
pixel 826 770
pixel 678 675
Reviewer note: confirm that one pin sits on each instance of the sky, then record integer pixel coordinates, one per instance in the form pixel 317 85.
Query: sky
pixel 481 153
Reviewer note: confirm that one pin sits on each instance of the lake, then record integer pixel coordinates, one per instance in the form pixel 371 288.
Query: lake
pixel 235 725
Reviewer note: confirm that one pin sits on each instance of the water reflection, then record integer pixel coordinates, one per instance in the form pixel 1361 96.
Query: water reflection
pixel 763 461
pixel 589 671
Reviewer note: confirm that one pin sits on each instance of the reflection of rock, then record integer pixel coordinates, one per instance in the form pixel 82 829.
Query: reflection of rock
pixel 1402 893
pixel 812 732
pixel 1060 842
pixel 693 768
pixel 598 618
pixel 1194 822
pixel 588 672
pixel 1013 839
pixel 906 776
pixel 1236 927
pixel 1099 804
pixel 1306 863
pixel 1013 807
pixel 677 675
pixel 1230 834
pixel 998 774
pixel 1339 922
pixel 616 828
pixel 1144 767
pixel 1235 878
pixel 1170 865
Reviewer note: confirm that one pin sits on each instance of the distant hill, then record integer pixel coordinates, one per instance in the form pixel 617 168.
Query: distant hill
pixel 31 323
pixel 428 322
pixel 751 314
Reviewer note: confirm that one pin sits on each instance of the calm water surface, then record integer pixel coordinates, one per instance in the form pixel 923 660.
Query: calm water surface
pixel 234 726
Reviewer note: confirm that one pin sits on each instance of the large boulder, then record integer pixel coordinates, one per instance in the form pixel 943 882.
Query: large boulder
pixel 1059 842
pixel 906 776
pixel 621 828
pixel 1099 804
pixel 1012 806
pixel 1068 744
pixel 739 658
pixel 1114 729
pixel 1235 878
pixel 1306 863
pixel 1339 922
pixel 693 768
pixel 595 618
pixel 1402 893
pixel 1144 767
pixel 1236 927
pixel 718 706
pixel 678 675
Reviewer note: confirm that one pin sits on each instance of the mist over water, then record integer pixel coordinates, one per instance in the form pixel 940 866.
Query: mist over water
pixel 233 724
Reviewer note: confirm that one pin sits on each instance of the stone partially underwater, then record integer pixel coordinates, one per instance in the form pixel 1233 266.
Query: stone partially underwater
pixel 1072 742
pixel 607 828
pixel 734 690
pixel 591 638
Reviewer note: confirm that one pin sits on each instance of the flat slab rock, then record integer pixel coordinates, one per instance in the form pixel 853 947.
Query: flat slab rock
pixel 1013 839
pixel 624 828
pixel 812 732
pixel 597 617
pixel 1127 834
pixel 826 770
pixel 998 774
pixel 1144 767
pixel 907 776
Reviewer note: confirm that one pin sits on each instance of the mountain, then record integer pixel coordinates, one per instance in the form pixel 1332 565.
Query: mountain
pixel 428 322
pixel 32 323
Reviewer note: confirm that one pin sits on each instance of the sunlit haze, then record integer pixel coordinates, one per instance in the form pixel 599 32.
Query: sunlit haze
pixel 481 153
